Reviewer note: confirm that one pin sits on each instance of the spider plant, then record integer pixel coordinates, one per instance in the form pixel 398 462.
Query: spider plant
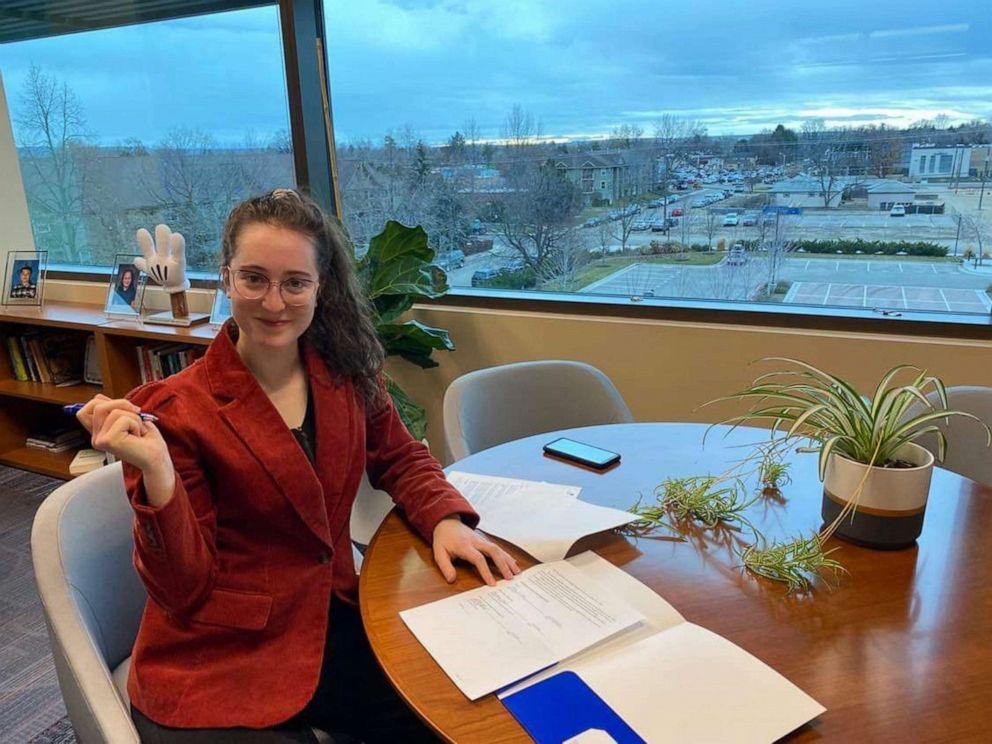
pixel 792 563
pixel 808 403
pixel 773 472
pixel 697 498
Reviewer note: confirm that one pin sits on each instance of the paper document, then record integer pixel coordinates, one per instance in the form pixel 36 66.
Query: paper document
pixel 672 680
pixel 490 637
pixel 487 487
pixel 544 519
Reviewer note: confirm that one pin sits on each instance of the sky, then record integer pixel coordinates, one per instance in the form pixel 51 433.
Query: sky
pixel 580 68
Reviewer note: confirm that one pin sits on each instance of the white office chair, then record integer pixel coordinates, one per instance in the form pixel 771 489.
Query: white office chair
pixel 81 545
pixel 491 406
pixel 967 453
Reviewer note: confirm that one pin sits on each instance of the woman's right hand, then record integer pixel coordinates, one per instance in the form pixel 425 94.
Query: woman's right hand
pixel 116 428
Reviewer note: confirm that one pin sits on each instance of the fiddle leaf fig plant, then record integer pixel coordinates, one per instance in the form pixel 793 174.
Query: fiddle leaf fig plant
pixel 395 272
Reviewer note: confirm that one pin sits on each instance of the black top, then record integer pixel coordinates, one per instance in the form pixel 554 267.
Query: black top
pixel 306 433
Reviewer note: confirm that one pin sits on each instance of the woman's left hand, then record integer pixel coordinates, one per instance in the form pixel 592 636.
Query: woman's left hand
pixel 453 539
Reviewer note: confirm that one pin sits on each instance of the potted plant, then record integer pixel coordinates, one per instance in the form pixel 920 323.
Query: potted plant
pixel 395 272
pixel 876 476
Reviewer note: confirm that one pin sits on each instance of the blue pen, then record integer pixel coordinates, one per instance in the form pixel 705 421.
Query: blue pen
pixel 77 407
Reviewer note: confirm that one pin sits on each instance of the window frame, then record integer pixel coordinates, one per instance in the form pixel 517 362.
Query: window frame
pixel 302 26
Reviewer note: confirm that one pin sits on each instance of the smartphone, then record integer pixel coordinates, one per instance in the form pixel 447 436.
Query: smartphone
pixel 584 454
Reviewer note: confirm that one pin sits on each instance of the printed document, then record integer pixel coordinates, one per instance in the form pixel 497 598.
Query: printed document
pixel 674 681
pixel 543 519
pixel 490 637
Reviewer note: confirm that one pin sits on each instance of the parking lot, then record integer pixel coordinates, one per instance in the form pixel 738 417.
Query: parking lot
pixel 888 297
pixel 883 284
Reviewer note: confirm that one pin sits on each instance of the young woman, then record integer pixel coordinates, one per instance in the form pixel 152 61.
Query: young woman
pixel 242 493
pixel 127 288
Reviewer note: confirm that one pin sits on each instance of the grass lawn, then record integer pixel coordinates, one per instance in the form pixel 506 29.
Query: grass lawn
pixel 603 267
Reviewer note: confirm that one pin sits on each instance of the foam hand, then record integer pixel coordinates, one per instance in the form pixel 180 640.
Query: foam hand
pixel 164 258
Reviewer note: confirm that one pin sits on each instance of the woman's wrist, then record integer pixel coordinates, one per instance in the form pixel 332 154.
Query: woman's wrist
pixel 160 481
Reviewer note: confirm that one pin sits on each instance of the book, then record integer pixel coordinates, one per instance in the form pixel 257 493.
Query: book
pixel 38 356
pixel 17 363
pixel 91 362
pixel 63 355
pixel 86 460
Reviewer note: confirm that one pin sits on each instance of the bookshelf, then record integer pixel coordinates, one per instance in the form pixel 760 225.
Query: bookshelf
pixel 25 406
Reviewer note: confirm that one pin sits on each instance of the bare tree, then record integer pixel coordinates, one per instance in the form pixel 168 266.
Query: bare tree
pixel 973 227
pixel 196 184
pixel 711 224
pixel 51 129
pixel 535 216
pixel 519 128
pixel 472 136
pixel 626 137
pixel 674 137
pixel 563 262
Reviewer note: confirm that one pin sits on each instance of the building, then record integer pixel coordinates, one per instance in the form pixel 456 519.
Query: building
pixel 603 178
pixel 884 193
pixel 958 161
pixel 807 191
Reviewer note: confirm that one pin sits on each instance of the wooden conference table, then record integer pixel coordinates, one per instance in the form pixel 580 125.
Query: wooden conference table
pixel 898 649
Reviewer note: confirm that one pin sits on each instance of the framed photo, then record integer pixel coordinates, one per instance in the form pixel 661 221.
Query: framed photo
pixel 221 309
pixel 126 289
pixel 24 279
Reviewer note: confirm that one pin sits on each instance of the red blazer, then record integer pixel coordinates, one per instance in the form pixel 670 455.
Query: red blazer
pixel 241 563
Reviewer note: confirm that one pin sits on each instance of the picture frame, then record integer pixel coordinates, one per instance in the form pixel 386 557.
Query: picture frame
pixel 126 289
pixel 24 278
pixel 220 310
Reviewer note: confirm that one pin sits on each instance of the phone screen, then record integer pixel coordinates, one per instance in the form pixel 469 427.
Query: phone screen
pixel 582 452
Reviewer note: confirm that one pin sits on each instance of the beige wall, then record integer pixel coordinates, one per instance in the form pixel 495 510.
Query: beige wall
pixel 665 370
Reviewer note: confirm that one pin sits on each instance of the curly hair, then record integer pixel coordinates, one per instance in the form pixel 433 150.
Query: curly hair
pixel 342 330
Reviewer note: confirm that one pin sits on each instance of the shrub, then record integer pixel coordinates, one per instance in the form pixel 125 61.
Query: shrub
pixel 524 278
pixel 888 248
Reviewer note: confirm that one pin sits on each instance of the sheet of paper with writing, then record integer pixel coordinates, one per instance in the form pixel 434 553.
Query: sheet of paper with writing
pixel 490 637
pixel 674 681
pixel 543 519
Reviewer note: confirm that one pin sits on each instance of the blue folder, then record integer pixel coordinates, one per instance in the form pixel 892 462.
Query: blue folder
pixel 560 707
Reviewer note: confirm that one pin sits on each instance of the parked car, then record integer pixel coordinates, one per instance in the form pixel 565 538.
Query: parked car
pixel 749 219
pixel 730 219
pixel 638 225
pixel 484 275
pixel 677 212
pixel 898 210
pixel 453 259
pixel 737 256
pixel 659 226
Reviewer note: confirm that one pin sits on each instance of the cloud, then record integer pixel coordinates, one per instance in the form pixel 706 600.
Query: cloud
pixel 581 68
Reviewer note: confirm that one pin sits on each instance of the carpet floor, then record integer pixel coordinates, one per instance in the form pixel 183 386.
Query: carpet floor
pixel 31 707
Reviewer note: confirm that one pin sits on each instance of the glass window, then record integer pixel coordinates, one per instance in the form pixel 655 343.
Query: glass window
pixel 172 121
pixel 504 113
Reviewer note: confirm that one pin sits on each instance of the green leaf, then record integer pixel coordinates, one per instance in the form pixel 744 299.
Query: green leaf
pixel 412 415
pixel 394 273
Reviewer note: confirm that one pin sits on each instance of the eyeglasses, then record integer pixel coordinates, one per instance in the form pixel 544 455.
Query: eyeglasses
pixel 254 286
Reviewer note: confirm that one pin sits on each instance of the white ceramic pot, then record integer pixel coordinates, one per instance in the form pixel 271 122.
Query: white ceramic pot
pixel 892 503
